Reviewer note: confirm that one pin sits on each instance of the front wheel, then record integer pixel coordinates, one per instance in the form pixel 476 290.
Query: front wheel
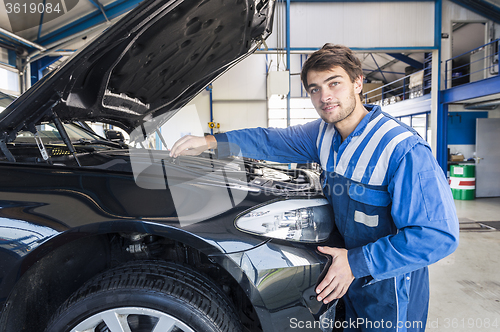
pixel 147 297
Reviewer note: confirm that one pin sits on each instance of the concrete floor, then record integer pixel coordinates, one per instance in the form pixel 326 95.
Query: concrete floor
pixel 465 286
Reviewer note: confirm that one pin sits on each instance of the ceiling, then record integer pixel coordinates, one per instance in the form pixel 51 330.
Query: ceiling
pixel 486 8
pixel 71 20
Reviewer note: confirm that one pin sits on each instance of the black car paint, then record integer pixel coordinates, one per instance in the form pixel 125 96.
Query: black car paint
pixel 81 205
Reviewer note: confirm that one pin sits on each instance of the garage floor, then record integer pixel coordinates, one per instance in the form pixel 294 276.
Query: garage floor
pixel 465 287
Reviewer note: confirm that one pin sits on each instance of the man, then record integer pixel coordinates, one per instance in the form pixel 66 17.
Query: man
pixel 391 200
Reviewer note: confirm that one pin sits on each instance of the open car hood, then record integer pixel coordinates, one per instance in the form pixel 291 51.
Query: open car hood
pixel 151 62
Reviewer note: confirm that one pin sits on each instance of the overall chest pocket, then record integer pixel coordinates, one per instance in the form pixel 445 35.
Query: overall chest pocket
pixel 368 216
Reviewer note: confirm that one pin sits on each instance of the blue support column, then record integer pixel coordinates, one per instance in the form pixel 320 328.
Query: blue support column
pixel 442 142
pixel 209 89
pixel 288 63
pixel 442 110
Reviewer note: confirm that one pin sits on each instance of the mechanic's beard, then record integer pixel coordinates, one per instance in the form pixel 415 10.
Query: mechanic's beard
pixel 348 110
pixel 344 112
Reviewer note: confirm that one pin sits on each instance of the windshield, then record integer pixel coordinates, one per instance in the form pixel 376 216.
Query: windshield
pixel 50 135
pixel 5 100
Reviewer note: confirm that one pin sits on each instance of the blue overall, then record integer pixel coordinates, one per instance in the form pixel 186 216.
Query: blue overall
pixel 392 205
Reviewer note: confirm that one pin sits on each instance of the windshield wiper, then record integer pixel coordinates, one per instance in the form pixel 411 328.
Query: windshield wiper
pixel 86 141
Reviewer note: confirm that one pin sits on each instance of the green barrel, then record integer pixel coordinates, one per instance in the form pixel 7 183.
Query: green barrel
pixel 463 181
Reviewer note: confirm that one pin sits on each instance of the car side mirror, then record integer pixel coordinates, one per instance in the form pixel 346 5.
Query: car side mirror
pixel 115 136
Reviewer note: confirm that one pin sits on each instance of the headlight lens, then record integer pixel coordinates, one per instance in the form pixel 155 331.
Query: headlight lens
pixel 301 220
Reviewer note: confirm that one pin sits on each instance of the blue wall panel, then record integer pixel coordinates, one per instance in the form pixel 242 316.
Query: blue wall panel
pixel 462 127
pixel 12 57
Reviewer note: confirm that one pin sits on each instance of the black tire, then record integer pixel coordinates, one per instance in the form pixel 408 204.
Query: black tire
pixel 146 294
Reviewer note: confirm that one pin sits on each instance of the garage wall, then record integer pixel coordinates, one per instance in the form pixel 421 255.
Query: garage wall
pixel 455 13
pixel 4 55
pixel 361 24
pixel 247 80
pixel 202 105
pixel 296 62
pixel 9 78
pixel 239 97
pixel 239 115
pixel 494 114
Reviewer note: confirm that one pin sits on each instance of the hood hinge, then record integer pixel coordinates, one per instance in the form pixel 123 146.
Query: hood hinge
pixel 6 152
pixel 65 137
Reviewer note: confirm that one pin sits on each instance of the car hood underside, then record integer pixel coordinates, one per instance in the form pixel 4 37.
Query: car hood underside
pixel 151 62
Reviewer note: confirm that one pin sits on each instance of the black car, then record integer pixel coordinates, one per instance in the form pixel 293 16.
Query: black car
pixel 101 235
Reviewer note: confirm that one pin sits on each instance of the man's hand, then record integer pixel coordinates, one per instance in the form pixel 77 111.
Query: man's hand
pixel 192 145
pixel 338 278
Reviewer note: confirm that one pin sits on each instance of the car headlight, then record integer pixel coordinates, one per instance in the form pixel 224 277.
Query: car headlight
pixel 301 220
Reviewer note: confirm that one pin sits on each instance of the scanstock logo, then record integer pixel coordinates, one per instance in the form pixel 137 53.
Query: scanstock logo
pixel 202 186
pixel 26 14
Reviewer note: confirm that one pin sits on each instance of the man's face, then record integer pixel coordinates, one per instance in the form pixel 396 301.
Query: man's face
pixel 333 94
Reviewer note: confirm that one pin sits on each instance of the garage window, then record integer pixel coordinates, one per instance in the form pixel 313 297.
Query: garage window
pixel 301 111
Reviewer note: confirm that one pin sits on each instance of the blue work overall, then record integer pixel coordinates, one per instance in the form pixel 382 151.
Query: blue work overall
pixel 392 205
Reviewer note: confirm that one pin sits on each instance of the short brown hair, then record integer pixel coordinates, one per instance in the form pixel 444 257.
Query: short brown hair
pixel 330 56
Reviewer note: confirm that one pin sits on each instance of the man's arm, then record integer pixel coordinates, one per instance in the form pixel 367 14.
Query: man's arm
pixel 424 212
pixel 292 144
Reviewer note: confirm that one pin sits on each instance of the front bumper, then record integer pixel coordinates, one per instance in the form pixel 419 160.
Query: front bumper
pixel 280 281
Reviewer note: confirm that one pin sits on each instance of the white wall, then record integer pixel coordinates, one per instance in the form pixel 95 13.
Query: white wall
pixel 247 80
pixel 494 114
pixel 239 97
pixel 202 104
pixel 239 115
pixel 184 122
pixel 296 62
pixel 9 78
pixel 4 55
pixel 360 24
pixel 467 150
pixel 456 13
pixel 9 81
